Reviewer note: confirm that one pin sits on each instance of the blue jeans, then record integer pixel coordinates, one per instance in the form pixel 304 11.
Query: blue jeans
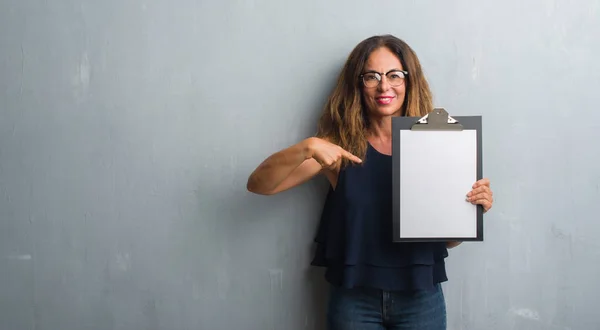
pixel 370 309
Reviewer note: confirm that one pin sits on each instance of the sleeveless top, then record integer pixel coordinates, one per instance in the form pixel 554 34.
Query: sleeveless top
pixel 354 237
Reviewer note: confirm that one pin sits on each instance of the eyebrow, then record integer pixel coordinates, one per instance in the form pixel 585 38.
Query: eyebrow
pixel 392 70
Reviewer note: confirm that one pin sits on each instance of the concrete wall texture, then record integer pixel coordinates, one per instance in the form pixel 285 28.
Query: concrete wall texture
pixel 128 130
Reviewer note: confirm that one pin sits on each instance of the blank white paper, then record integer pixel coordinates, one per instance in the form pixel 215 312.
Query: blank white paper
pixel 437 170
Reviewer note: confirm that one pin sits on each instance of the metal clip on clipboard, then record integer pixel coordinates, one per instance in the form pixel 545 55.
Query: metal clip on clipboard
pixel 437 120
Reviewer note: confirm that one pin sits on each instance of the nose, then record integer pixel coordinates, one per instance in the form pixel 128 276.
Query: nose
pixel 384 85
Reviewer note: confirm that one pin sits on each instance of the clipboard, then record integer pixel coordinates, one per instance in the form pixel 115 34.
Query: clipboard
pixel 436 160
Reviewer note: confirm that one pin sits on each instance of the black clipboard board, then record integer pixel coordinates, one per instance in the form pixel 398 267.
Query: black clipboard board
pixel 436 160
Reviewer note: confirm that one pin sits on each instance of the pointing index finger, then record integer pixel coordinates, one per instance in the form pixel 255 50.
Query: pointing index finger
pixel 352 157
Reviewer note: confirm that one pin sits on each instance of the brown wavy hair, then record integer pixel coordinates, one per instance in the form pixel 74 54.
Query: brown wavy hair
pixel 344 120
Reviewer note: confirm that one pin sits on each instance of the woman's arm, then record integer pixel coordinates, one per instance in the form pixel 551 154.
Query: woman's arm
pixel 297 164
pixel 283 170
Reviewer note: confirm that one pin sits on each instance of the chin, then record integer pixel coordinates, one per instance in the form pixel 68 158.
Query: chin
pixel 387 110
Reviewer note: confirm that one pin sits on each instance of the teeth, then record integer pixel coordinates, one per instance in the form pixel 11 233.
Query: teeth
pixel 385 100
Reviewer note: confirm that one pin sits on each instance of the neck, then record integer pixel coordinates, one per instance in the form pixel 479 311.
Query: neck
pixel 380 128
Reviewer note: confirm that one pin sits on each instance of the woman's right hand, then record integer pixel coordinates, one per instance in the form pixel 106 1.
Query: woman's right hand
pixel 327 154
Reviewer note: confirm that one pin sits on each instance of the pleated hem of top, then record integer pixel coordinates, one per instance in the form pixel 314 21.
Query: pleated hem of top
pixel 406 278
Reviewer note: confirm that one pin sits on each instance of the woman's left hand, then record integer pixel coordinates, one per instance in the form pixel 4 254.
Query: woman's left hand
pixel 481 194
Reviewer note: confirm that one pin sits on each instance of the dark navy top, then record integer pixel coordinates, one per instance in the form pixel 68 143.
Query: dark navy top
pixel 354 238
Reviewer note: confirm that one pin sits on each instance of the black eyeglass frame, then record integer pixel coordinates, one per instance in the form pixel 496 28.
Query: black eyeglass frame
pixel 379 76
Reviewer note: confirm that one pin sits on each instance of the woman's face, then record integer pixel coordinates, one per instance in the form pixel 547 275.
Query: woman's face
pixel 386 97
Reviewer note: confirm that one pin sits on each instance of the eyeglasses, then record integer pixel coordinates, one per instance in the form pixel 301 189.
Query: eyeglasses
pixel 372 79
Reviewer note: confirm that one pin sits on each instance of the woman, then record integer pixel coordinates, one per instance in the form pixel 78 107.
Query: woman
pixel 376 284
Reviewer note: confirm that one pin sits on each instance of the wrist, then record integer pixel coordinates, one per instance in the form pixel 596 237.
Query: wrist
pixel 453 244
pixel 306 148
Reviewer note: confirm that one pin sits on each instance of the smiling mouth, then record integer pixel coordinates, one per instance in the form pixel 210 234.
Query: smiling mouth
pixel 384 100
